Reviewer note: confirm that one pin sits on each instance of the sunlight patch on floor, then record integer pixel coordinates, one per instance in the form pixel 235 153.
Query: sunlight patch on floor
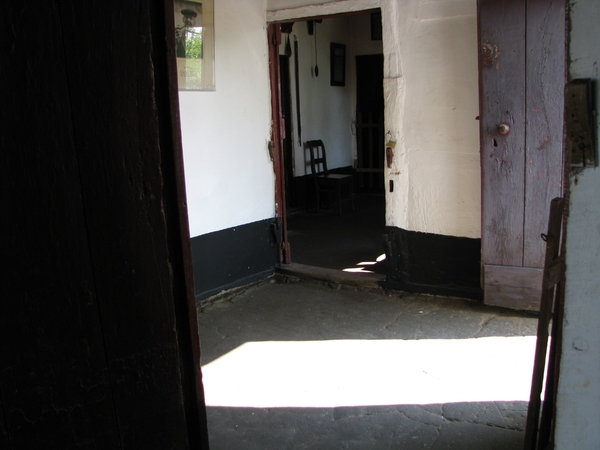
pixel 371 372
pixel 362 264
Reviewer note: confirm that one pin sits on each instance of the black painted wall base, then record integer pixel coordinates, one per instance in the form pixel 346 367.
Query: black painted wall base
pixel 433 263
pixel 233 257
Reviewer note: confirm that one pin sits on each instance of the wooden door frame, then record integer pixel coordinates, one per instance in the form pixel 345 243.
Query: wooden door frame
pixel 276 144
pixel 186 311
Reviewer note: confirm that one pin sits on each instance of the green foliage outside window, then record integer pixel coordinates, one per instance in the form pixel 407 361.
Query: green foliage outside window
pixel 193 43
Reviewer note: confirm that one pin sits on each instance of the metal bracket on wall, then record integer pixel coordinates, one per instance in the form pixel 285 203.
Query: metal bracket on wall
pixel 580 121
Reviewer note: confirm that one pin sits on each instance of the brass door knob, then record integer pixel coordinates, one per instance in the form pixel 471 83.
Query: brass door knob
pixel 503 129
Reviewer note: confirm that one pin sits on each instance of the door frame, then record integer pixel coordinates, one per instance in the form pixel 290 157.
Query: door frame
pixel 276 147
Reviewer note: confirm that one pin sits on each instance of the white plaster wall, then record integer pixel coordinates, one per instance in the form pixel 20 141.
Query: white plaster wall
pixel 431 89
pixel 578 400
pixel 431 95
pixel 229 175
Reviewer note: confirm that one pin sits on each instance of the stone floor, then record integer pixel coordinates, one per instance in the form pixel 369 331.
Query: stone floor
pixel 293 364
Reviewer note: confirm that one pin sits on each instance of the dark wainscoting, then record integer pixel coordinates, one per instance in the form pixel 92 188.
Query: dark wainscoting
pixel 433 263
pixel 233 257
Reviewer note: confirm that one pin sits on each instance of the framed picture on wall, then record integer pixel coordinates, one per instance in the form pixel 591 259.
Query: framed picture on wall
pixel 338 64
pixel 194 44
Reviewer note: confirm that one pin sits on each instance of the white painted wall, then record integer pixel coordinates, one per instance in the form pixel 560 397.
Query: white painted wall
pixel 431 93
pixel 431 89
pixel 578 400
pixel 229 175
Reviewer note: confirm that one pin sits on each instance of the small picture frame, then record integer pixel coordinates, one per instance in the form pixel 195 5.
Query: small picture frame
pixel 194 44
pixel 338 64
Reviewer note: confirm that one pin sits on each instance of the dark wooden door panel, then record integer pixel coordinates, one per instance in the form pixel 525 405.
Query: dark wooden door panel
pixel 3 427
pixel 121 174
pixel 98 336
pixel 54 381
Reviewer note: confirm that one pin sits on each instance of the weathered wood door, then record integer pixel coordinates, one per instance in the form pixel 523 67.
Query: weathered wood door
pixel 522 77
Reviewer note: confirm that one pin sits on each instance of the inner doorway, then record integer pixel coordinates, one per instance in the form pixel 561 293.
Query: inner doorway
pixel 311 108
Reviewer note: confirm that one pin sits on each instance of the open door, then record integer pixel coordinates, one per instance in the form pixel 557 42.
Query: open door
pixel 522 76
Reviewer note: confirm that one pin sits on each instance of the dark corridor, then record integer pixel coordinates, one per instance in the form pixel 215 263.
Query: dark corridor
pixel 352 241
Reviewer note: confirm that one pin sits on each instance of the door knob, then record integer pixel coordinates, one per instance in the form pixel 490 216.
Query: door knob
pixel 503 128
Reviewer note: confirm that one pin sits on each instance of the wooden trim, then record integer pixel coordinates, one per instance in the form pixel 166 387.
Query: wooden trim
pixel 277 135
pixel 318 17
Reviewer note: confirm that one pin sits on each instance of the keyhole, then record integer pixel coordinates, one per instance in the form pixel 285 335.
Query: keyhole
pixel 495 142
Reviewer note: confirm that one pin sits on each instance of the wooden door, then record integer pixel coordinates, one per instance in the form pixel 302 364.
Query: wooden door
pixel 99 340
pixel 522 77
pixel 370 121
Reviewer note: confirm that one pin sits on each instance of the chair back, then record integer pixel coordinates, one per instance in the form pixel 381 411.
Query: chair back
pixel 318 157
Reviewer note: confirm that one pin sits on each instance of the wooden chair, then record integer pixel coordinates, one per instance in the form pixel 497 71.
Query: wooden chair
pixel 328 184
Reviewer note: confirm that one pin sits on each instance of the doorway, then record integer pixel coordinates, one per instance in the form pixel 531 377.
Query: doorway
pixel 351 125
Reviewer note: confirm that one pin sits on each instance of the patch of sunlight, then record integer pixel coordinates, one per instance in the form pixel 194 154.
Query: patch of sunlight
pixel 357 270
pixel 364 263
pixel 371 372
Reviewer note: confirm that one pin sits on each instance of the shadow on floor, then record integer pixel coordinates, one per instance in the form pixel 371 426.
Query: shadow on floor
pixel 352 241
pixel 486 426
pixel 300 365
